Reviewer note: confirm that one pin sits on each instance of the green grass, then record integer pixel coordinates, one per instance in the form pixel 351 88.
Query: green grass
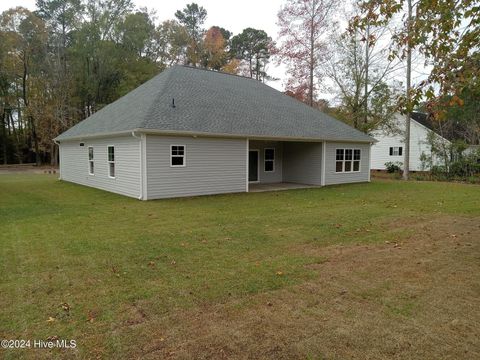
pixel 101 252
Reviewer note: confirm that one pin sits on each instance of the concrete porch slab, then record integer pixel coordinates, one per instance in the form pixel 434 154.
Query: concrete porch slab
pixel 278 187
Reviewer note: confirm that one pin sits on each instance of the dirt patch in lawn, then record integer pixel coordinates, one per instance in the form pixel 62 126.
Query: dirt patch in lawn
pixel 414 298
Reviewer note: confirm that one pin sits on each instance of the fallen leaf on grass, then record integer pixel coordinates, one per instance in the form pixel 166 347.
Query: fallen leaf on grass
pixel 91 316
pixel 279 273
pixel 115 271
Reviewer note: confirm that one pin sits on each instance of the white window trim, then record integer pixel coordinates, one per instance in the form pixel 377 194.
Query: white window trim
pixel 184 156
pixel 91 161
pixel 110 162
pixel 343 161
pixel 265 160
pixel 393 151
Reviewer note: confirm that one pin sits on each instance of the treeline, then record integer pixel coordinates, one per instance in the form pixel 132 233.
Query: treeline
pixel 69 58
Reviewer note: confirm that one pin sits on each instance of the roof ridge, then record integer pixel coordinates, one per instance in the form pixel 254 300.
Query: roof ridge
pixel 215 71
pixel 166 74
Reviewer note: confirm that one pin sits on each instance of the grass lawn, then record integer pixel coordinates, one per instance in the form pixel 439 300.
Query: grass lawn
pixel 388 269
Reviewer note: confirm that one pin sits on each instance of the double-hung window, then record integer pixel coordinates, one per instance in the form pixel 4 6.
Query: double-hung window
pixel 111 161
pixel 396 151
pixel 91 165
pixel 347 160
pixel 269 155
pixel 356 159
pixel 177 155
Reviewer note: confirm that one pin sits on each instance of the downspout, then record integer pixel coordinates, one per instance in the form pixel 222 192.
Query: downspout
pixel 140 197
pixel 370 162
pixel 323 165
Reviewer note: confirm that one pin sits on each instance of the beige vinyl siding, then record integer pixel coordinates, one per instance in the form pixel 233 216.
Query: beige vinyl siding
pixel 212 166
pixel 332 177
pixel 302 162
pixel 74 164
pixel 267 177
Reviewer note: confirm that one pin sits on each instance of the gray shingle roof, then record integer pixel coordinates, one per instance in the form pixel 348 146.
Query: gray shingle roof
pixel 214 103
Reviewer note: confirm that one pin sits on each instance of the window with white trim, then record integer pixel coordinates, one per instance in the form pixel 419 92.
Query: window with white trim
pixel 396 151
pixel 347 160
pixel 111 161
pixel 269 160
pixel 177 155
pixel 91 165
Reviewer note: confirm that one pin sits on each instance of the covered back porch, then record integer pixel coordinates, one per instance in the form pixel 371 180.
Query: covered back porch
pixel 282 165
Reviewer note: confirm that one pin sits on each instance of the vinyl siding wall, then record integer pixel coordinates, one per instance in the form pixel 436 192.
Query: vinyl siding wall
pixel 381 150
pixel 74 166
pixel 302 163
pixel 418 145
pixel 213 166
pixel 332 177
pixel 266 177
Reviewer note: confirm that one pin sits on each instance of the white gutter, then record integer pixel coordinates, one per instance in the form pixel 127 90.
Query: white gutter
pixel 207 134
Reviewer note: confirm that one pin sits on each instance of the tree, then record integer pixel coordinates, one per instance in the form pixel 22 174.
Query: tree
pixel 134 32
pixel 26 36
pixel 98 59
pixel 169 43
pixel 214 49
pixel 62 18
pixel 462 117
pixel 446 33
pixel 193 17
pixel 303 25
pixel 360 70
pixel 254 47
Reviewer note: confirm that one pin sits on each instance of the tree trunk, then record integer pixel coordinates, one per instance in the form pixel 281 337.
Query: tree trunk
pixel 16 137
pixel 35 142
pixel 367 59
pixel 406 165
pixel 312 51
pixel 4 138
pixel 54 155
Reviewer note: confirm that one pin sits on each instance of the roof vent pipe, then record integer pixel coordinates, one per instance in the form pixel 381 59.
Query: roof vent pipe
pixel 173 102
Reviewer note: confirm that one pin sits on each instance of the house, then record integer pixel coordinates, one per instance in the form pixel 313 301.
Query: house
pixel 390 145
pixel 191 131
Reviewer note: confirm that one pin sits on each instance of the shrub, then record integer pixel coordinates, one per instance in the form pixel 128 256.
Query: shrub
pixel 393 167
